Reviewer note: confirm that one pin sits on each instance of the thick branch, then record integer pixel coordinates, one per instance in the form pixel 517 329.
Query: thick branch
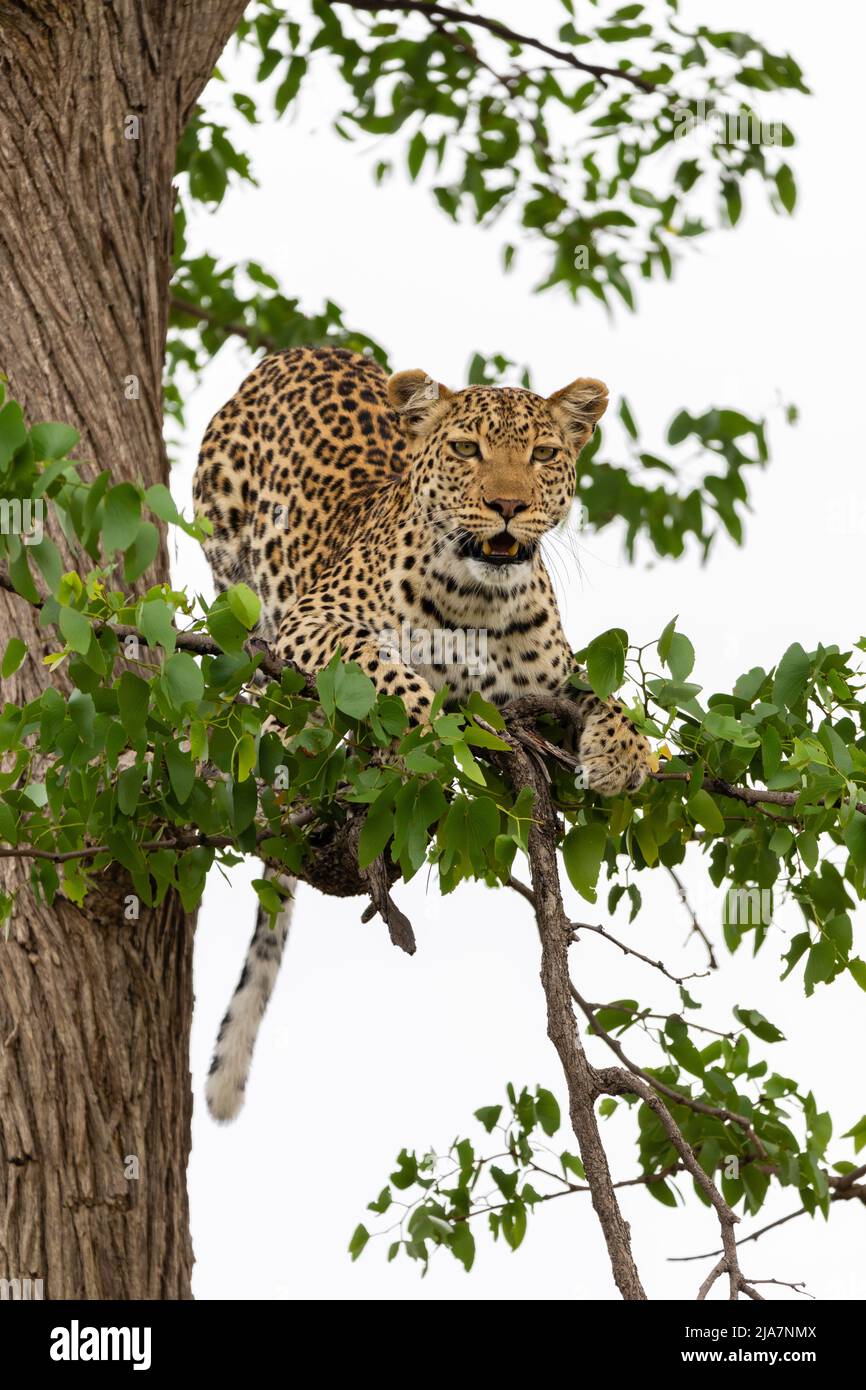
pixel 562 1030
pixel 518 711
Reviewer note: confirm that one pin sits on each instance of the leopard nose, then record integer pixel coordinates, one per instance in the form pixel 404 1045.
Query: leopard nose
pixel 507 507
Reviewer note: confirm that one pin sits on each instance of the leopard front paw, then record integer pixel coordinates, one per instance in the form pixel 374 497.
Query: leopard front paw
pixel 614 757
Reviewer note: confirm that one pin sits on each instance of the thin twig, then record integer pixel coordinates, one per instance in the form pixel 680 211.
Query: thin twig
pixel 846 1190
pixel 696 926
pixel 630 951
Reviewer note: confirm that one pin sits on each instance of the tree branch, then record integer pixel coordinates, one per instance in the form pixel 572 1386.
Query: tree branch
pixel 678 1097
pixel 617 1081
pixel 501 31
pixel 696 926
pixel 237 330
pixel 750 796
pixel 846 1190
pixel 562 1029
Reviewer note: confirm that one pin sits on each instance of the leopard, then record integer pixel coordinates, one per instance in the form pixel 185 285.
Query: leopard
pixel 368 510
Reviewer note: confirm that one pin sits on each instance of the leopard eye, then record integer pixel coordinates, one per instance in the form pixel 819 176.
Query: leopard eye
pixel 465 448
pixel 544 453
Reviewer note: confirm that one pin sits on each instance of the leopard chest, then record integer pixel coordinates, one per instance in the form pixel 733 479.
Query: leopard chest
pixel 501 644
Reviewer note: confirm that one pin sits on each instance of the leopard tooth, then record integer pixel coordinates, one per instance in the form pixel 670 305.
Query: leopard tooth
pixel 486 548
pixel 512 550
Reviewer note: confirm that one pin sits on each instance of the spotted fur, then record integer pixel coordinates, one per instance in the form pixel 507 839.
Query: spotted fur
pixel 355 506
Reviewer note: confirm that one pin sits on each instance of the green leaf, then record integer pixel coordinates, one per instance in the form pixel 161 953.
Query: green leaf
pixel 857 969
pixel 133 698
pixel 77 630
pixel 760 1026
pixel 52 441
pixel 680 657
pixel 463 1245
pixel 224 627
pixel 161 503
pixel 583 850
pixel 787 186
pixel 182 680
pixel 13 431
pixel 514 1223
pixel 627 418
pixel 129 788
pixel 792 677
pixel 15 652
pixel 181 771
pixel 662 1192
pixel 354 692
pixel 417 151
pixel 377 829
pixel 288 88
pixel 246 757
pixel 244 604
pixel 820 965
pixel 704 810
pixel 488 1116
pixel 664 643
pixel 605 662
pixel 359 1239
pixel 855 839
pixel 141 554
pixel 122 516
pixel 270 900
pixel 547 1110
pixel 156 623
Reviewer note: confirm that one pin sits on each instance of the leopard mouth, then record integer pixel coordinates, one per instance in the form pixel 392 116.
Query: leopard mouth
pixel 502 549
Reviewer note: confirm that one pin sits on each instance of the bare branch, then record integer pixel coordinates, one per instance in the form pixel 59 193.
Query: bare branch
pixel 398 924
pixel 630 951
pixel 846 1187
pixel 798 1286
pixel 696 926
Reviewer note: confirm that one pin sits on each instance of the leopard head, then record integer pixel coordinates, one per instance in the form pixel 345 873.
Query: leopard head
pixel 492 468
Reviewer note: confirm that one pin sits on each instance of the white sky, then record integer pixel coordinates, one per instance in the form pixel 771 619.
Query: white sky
pixel 363 1050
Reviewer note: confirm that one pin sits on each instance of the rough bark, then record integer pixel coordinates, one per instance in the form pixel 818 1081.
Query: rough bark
pixel 581 1080
pixel 94 1010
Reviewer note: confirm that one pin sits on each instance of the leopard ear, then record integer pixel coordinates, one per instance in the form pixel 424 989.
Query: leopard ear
pixel 577 408
pixel 416 399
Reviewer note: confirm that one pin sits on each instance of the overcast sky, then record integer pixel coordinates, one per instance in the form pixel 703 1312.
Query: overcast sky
pixel 365 1050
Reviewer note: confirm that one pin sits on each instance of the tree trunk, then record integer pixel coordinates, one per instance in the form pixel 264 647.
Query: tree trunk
pixel 95 1101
